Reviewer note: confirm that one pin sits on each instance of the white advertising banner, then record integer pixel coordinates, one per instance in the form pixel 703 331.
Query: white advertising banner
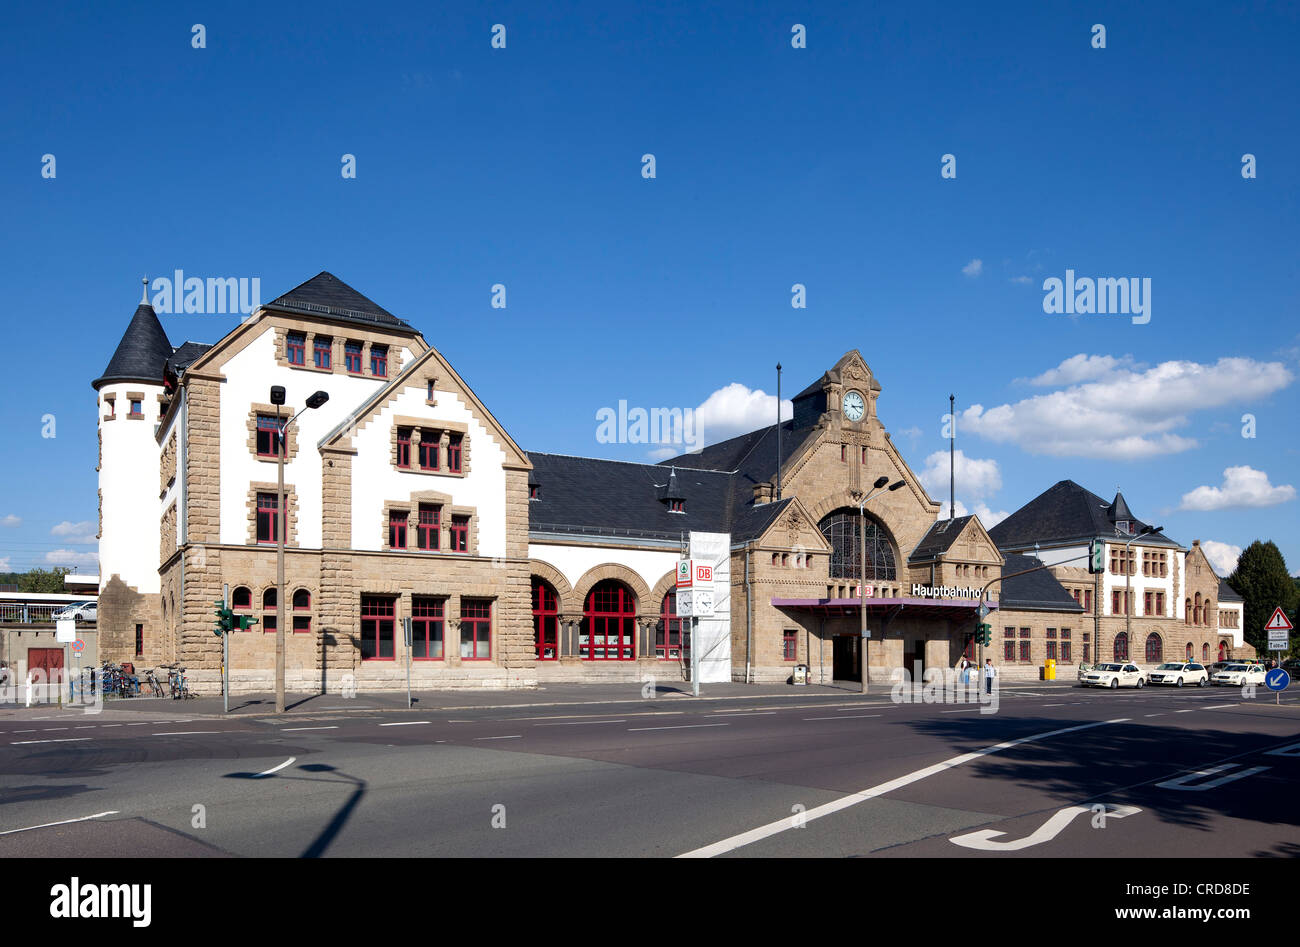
pixel 713 632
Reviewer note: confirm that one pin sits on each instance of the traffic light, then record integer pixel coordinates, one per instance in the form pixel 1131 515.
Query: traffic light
pixel 983 633
pixel 245 622
pixel 226 620
pixel 1096 557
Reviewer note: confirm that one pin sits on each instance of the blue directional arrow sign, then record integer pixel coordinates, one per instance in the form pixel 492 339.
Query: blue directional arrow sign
pixel 1277 679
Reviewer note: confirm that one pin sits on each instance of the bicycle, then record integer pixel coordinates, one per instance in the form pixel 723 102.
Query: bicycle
pixel 155 685
pixel 180 684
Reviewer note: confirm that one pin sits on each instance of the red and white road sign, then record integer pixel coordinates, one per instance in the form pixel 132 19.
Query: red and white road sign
pixel 1279 621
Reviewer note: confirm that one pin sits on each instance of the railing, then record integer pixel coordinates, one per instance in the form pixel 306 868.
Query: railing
pixel 566 528
pixel 29 613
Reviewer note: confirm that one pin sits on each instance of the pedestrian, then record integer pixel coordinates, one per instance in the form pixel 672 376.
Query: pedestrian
pixel 963 666
pixel 990 672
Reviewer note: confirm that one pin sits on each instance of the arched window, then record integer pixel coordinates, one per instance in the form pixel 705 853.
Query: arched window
pixel 1196 620
pixel 268 609
pixel 241 599
pixel 1187 611
pixel 546 621
pixel 1155 649
pixel 842 531
pixel 1223 650
pixel 1191 651
pixel 302 612
pixel 607 632
pixel 1205 653
pixel 1121 646
pixel 668 633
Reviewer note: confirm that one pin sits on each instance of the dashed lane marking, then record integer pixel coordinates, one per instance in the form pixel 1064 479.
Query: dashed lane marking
pixel 854 717
pixel 684 726
pixel 513 736
pixel 406 723
pixel 84 818
pixel 288 729
pixel 52 740
pixel 579 723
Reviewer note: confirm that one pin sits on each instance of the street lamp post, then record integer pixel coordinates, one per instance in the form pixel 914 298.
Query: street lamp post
pixel 281 522
pixel 1128 587
pixel 877 488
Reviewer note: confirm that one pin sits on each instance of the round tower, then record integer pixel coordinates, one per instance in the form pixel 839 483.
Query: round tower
pixel 129 404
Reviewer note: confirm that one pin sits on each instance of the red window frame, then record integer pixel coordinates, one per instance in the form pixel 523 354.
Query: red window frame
pixel 322 351
pixel 136 408
pixel 1205 653
pixel 269 616
pixel 296 348
pixel 546 622
pixel 428 528
pixel 533 493
pixel 1008 651
pixel 397 521
pixel 677 506
pixel 453 453
pixel 428 454
pixel 844 453
pixel 609 612
pixel 301 605
pixel 428 628
pixel 269 435
pixel 404 448
pixel 379 361
pixel 1155 648
pixel 429 397
pixel 139 641
pixel 378 627
pixel 246 605
pixel 268 518
pixel 458 536
pixel 1191 651
pixel 1051 650
pixel 352 357
pixel 1121 646
pixel 475 629
pixel 668 632
pixel 789 645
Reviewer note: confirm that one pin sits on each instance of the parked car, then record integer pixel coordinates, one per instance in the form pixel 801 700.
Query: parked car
pixel 1218 666
pixel 79 611
pixel 1178 674
pixel 1115 675
pixel 1237 675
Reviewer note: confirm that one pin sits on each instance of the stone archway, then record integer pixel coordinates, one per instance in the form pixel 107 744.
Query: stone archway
pixel 612 570
pixel 563 591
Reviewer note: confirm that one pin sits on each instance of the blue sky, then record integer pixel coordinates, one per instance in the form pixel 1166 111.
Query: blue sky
pixel 775 166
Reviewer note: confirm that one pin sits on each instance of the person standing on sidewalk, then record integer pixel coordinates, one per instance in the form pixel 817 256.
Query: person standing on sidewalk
pixel 990 672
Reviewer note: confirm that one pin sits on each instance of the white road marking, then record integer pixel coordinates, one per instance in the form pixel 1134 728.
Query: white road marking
pixel 1053 705
pixel 406 723
pixel 1292 750
pixel 1218 706
pixel 1180 782
pixel 186 733
pixel 684 726
pixel 1154 715
pixel 579 723
pixel 1193 710
pixel 287 729
pixel 785 824
pixel 52 729
pixel 983 840
pixel 51 740
pixel 963 710
pixel 33 730
pixel 144 724
pixel 276 769
pixel 513 736
pixel 105 726
pixel 854 717
pixel 757 713
pixel 84 818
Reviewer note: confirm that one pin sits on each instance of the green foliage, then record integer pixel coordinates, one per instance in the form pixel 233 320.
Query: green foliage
pixel 1263 581
pixel 38 580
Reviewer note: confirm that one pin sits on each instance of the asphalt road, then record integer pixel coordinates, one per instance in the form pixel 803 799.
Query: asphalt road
pixel 1057 771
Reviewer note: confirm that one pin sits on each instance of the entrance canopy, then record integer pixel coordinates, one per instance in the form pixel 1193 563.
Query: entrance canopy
pixel 910 607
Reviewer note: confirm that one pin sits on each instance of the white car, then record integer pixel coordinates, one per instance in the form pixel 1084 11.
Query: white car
pixel 1115 675
pixel 80 611
pixel 1238 675
pixel 1179 674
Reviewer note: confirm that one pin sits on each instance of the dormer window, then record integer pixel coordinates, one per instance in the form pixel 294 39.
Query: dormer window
pixel 676 506
pixel 137 408
pixel 533 492
pixel 1122 526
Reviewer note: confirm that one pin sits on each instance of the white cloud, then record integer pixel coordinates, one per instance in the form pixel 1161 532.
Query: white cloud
pixel 1020 279
pixel 737 409
pixel 911 432
pixel 82 532
pixel 975 478
pixel 1223 556
pixel 987 516
pixel 1243 487
pixel 663 453
pixel 11 521
pixel 67 557
pixel 1128 414
pixel 974 268
pixel 1082 367
pixel 4 564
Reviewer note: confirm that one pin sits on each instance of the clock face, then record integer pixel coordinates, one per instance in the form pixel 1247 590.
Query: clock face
pixel 854 406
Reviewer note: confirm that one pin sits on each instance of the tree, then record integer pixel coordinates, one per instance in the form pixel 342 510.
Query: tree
pixel 1263 581
pixel 38 580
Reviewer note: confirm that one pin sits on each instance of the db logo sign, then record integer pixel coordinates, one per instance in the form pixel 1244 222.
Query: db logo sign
pixel 693 574
pixel 704 573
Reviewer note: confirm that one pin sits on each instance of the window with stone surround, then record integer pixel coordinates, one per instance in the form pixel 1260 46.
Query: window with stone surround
pixel 454 442
pixel 546 621
pixel 296 348
pixel 1065 645
pixel 459 534
pixel 668 633
pixel 301 612
pixel 241 599
pixel 262 521
pixel 378 620
pixel 1024 644
pixel 1051 644
pixel 397 521
pixel 268 519
pixel 379 361
pixel 110 407
pixel 352 357
pixel 428 453
pixel 427 628
pixel 428 527
pixel 436 448
pixel 269 616
pixel 1008 645
pixel 269 435
pixel 322 348
pixel 262 426
pixel 1121 647
pixel 475 629
pixel 789 644
pixel 404 447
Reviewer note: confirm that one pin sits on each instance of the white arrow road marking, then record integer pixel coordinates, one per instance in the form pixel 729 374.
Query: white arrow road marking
pixel 1180 782
pixel 1292 750
pixel 276 769
pixel 786 823
pixel 84 818
pixel 983 840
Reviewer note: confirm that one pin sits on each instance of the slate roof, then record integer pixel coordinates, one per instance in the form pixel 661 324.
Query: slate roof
pixel 939 538
pixel 1227 593
pixel 141 354
pixel 1067 512
pixel 326 294
pixel 185 356
pixel 1037 591
pixel 586 495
